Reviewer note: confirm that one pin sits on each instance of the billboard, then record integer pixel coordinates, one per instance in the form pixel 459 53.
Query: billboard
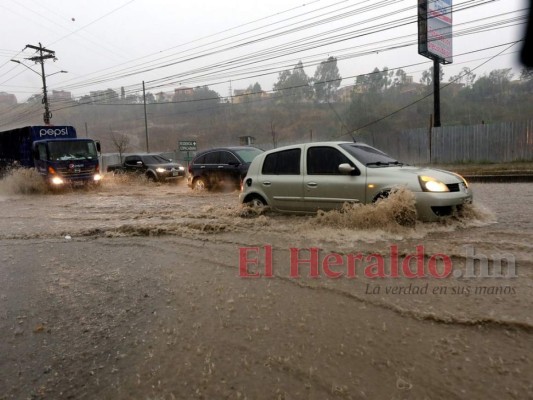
pixel 435 30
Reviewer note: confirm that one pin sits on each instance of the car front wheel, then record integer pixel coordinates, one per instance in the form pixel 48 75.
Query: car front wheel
pixel 151 177
pixel 199 184
pixel 256 201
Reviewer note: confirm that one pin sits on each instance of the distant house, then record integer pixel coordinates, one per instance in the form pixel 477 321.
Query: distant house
pixel 239 96
pixel 412 87
pixel 8 99
pixel 60 95
pixel 162 97
pixel 183 91
pixel 103 96
pixel 344 94
pixel 245 95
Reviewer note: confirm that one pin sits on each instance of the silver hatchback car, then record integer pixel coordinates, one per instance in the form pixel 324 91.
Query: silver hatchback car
pixel 324 175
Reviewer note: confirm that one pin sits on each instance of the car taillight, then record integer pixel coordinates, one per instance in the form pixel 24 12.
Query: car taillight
pixel 51 170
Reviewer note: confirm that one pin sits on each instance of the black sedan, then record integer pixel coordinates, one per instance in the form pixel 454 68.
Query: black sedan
pixel 154 166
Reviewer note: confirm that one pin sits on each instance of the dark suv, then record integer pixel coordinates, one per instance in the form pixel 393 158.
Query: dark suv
pixel 221 167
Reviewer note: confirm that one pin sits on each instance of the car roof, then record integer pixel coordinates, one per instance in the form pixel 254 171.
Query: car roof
pixel 230 148
pixel 143 154
pixel 323 143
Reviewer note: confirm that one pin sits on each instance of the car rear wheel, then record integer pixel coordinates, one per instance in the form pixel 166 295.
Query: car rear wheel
pixel 118 172
pixel 199 184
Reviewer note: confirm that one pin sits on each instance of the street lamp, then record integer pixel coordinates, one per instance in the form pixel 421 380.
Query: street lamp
pixel 31 69
pixel 47 114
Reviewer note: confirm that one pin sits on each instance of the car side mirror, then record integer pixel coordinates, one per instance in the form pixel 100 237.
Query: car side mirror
pixel 347 169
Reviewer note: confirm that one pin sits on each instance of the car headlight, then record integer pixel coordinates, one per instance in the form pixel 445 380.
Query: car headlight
pixel 461 178
pixel 160 170
pixel 181 168
pixel 56 180
pixel 429 184
pixel 97 177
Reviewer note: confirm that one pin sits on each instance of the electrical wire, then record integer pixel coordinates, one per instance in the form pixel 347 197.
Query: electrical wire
pixel 228 68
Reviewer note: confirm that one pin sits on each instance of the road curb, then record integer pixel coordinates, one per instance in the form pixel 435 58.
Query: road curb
pixel 499 178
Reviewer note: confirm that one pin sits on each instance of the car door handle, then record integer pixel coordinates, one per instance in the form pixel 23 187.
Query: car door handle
pixel 220 166
pixel 312 184
pixel 267 183
pixel 202 166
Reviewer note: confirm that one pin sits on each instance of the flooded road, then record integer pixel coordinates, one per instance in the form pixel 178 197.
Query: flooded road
pixel 150 291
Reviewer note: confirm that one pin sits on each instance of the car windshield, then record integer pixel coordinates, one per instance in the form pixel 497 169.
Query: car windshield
pixel 248 154
pixel 369 156
pixel 155 159
pixel 72 150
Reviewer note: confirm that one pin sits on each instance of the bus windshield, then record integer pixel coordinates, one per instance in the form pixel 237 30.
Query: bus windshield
pixel 72 150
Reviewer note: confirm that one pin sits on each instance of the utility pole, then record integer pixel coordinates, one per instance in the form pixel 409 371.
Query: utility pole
pixel 145 121
pixel 40 59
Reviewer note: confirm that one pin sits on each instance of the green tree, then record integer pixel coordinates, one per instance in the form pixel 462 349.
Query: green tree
pixel 427 76
pixel 376 81
pixel 386 77
pixel 150 98
pixel 132 99
pixel 205 94
pixel 526 74
pixel 469 76
pixel 256 88
pixel 326 80
pixel 501 78
pixel 400 78
pixel 253 92
pixel 293 86
pixel 494 86
pixel 526 78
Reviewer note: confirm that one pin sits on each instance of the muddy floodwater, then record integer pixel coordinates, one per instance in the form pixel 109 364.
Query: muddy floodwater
pixel 137 290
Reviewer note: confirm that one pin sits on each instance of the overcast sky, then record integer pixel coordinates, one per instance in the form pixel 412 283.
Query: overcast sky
pixel 235 43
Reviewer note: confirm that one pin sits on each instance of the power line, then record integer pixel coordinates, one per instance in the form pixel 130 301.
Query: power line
pixel 251 40
pixel 287 88
pixel 229 68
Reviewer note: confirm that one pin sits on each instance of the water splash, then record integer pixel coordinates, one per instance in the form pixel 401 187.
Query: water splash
pixel 23 181
pixel 397 210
